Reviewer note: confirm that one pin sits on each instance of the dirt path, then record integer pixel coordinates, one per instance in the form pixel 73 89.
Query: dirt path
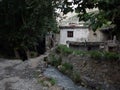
pixel 19 75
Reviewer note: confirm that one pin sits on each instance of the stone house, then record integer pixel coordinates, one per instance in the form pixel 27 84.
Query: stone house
pixel 77 34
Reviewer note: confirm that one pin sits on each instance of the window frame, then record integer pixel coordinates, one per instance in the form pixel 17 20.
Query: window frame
pixel 70 34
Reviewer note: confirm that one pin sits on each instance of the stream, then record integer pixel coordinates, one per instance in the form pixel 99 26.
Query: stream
pixel 62 80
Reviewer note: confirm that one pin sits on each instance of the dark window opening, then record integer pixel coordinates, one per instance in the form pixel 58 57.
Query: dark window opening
pixel 69 33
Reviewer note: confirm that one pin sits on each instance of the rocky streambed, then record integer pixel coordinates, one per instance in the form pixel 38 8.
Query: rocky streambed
pixel 32 75
pixel 62 80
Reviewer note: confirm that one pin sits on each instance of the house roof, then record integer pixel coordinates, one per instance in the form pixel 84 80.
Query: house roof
pixel 72 27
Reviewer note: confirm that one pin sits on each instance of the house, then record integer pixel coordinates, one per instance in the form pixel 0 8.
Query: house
pixel 77 34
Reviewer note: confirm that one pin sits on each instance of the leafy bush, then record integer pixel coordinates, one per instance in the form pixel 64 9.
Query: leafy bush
pixel 55 61
pixel 52 81
pixel 111 56
pixel 66 68
pixel 95 55
pixel 78 52
pixel 76 77
pixel 64 49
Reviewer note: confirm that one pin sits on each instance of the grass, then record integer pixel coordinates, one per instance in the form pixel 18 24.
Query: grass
pixel 76 77
pixel 66 68
pixel 55 61
pixel 111 56
pixel 96 55
pixel 63 49
pixel 52 81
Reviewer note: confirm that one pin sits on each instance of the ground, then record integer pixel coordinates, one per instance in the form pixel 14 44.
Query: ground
pixel 19 75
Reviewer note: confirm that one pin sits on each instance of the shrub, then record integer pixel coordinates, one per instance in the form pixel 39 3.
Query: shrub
pixel 55 61
pixel 63 49
pixel 95 55
pixel 111 56
pixel 58 49
pixel 52 81
pixel 76 77
pixel 66 68
pixel 78 52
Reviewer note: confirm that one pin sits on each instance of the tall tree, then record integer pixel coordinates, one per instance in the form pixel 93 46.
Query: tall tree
pixel 24 22
pixel 109 12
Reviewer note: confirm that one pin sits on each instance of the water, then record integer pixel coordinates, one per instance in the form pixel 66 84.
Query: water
pixel 62 80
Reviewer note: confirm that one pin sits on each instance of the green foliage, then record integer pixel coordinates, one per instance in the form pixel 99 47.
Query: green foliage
pixel 76 77
pixel 109 11
pixel 55 61
pixel 23 23
pixel 111 56
pixel 66 68
pixel 64 49
pixel 96 55
pixel 81 53
pixel 52 81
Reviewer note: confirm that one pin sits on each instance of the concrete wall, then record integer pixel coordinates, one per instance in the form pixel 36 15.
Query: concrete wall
pixel 82 34
pixel 79 35
pixel 99 37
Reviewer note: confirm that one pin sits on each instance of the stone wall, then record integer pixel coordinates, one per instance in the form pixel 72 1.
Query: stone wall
pixel 97 74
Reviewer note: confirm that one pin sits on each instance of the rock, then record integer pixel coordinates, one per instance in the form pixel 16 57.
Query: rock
pixel 47 83
pixel 40 71
pixel 40 76
pixel 43 78
pixel 45 88
pixel 56 88
pixel 59 67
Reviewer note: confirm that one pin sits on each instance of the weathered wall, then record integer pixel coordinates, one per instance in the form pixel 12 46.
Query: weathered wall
pixel 99 37
pixel 79 34
pixel 82 35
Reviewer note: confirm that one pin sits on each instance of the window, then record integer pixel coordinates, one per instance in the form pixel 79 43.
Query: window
pixel 69 33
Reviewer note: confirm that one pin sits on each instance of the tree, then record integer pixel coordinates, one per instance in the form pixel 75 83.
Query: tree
pixel 108 12
pixel 24 22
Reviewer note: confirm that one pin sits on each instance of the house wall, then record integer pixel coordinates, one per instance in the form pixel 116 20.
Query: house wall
pixel 79 35
pixel 99 37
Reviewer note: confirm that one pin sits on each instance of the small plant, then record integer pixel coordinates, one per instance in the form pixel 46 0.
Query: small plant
pixel 81 53
pixel 55 61
pixel 52 81
pixel 47 81
pixel 58 49
pixel 66 68
pixel 111 56
pixel 64 49
pixel 76 77
pixel 96 55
